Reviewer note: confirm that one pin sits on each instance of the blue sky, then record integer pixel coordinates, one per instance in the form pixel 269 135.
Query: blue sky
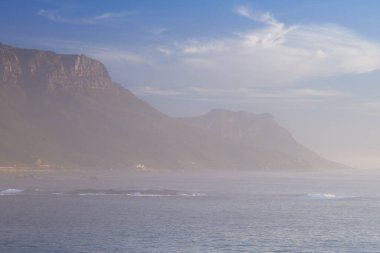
pixel 315 65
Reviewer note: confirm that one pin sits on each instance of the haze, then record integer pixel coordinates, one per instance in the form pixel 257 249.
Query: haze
pixel 313 65
pixel 189 126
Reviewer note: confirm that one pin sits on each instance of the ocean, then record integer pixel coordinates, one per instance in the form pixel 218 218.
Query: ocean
pixel 237 212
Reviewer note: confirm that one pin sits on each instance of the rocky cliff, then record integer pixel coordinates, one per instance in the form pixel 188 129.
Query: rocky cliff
pixel 51 72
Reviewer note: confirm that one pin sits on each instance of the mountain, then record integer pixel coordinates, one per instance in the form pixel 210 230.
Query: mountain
pixel 65 111
pixel 260 132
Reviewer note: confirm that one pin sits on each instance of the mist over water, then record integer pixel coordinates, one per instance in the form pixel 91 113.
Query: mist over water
pixel 190 212
pixel 164 127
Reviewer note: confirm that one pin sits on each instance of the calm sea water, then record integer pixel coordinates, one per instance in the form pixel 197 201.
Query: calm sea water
pixel 249 213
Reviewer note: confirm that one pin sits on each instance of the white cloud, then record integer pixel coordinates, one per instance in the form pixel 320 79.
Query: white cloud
pixel 273 55
pixel 50 14
pixel 116 56
pixel 265 18
pixel 280 94
pixel 273 93
pixel 196 47
pixel 246 63
pixel 164 50
pixel 55 16
pixel 147 90
pixel 110 15
pixel 106 54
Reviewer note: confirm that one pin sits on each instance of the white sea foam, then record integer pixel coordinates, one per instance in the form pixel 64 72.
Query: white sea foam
pixel 11 191
pixel 95 194
pixel 135 193
pixel 139 194
pixel 193 194
pixel 326 196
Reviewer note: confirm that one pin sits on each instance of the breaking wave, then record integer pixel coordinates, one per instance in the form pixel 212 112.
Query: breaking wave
pixel 327 196
pixel 11 191
pixel 98 192
pixel 134 193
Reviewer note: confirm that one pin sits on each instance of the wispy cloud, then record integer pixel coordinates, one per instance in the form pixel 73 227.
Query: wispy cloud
pixel 164 51
pixel 265 17
pixel 273 61
pixel 55 16
pixel 284 94
pixel 316 93
pixel 159 31
pixel 197 47
pixel 120 56
pixel 105 53
pixel 147 90
pixel 274 55
pixel 110 15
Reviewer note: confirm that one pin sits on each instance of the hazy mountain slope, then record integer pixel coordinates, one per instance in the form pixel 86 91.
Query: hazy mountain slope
pixel 65 110
pixel 259 131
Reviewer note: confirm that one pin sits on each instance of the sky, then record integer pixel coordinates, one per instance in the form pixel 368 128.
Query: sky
pixel 314 65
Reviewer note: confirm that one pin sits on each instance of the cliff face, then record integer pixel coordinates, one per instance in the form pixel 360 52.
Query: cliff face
pixel 64 110
pixel 50 71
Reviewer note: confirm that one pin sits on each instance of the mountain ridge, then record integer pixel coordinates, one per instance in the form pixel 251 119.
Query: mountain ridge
pixel 66 111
